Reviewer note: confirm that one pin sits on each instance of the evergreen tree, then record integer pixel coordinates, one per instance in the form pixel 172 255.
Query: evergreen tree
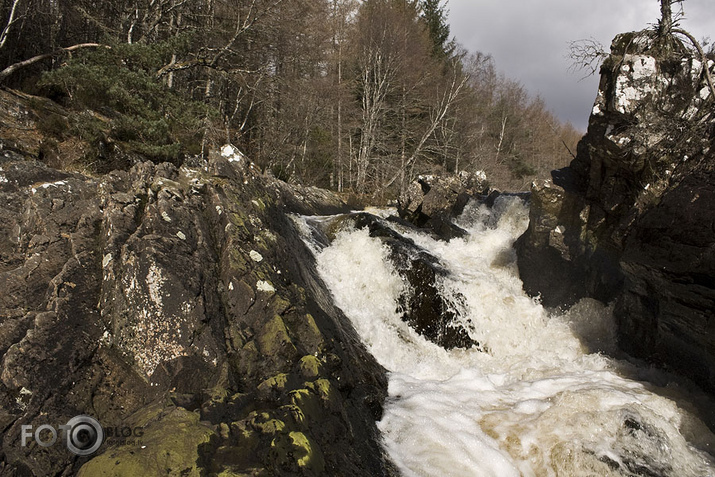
pixel 435 17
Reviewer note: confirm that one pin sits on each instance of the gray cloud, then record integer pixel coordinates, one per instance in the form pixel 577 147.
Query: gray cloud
pixel 529 40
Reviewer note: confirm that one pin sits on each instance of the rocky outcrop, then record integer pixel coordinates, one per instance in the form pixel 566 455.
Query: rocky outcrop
pixel 433 202
pixel 629 221
pixel 179 302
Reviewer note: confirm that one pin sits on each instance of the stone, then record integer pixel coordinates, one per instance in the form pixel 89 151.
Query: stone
pixel 111 310
pixel 630 220
pixel 434 202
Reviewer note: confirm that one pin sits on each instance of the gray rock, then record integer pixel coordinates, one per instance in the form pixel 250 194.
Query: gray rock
pixel 433 202
pixel 628 221
pixel 138 296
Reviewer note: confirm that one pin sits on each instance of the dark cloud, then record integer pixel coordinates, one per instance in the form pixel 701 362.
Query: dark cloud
pixel 529 40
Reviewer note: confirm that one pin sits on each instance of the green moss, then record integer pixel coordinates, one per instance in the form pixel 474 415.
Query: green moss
pixel 277 383
pixel 322 388
pixel 259 204
pixel 310 367
pixel 280 304
pixel 265 423
pixel 169 446
pixel 236 261
pixel 244 437
pixel 293 416
pixel 308 403
pixel 297 448
pixel 273 339
pixel 306 331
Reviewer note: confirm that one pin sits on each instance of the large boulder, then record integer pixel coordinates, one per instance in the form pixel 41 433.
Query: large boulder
pixel 433 202
pixel 628 221
pixel 183 303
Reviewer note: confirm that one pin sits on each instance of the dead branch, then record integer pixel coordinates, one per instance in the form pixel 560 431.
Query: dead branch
pixel 703 58
pixel 587 55
pixel 30 61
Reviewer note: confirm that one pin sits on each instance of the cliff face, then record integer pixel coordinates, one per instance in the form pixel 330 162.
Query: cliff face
pixel 631 219
pixel 180 302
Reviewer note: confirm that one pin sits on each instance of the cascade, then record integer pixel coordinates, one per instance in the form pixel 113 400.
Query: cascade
pixel 540 396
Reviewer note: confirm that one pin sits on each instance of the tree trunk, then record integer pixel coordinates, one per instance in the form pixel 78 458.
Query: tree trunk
pixel 11 19
pixel 666 17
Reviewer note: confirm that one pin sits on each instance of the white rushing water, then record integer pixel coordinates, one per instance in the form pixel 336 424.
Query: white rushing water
pixel 541 401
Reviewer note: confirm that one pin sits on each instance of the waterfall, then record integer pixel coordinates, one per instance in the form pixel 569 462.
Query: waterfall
pixel 539 397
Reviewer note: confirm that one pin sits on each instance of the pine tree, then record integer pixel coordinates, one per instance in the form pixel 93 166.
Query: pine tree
pixel 435 17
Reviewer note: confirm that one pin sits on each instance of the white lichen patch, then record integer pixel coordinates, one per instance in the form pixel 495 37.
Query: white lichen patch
pixel 255 256
pixel 269 236
pixel 232 153
pixel 23 398
pixel 155 282
pixel 106 259
pixel 265 286
pixel 106 338
pixel 48 184
pixel 636 79
pixel 157 339
pixel 255 221
pixel 3 179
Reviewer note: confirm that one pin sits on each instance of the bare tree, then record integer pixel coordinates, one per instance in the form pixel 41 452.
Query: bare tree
pixel 12 18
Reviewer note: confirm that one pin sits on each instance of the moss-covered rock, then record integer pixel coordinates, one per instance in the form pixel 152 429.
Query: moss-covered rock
pixel 170 446
pixel 296 451
pixel 310 367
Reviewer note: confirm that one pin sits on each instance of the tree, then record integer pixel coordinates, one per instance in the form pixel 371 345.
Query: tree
pixel 435 16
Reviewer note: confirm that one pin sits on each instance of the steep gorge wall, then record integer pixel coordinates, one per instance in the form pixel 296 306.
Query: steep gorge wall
pixel 631 220
pixel 180 301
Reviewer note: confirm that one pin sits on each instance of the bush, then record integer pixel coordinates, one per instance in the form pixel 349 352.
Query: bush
pixel 143 115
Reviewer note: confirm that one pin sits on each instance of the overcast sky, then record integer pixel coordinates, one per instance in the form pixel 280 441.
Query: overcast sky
pixel 529 40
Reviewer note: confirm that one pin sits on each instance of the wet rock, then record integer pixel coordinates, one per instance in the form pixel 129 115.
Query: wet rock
pixel 627 220
pixel 434 202
pixel 422 306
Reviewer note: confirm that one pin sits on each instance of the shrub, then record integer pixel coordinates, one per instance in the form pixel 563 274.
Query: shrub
pixel 120 83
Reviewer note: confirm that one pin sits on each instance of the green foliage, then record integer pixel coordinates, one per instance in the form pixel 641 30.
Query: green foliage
pixel 521 169
pixel 435 16
pixel 120 83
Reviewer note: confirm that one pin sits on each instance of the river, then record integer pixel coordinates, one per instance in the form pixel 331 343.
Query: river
pixel 543 397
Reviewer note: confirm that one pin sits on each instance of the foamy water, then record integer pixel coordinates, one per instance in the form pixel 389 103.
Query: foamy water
pixel 542 401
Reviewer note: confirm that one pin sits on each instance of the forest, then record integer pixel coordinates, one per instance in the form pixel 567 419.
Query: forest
pixel 357 96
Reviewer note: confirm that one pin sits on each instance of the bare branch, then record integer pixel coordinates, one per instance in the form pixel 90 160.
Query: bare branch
pixel 16 66
pixel 586 55
pixel 11 19
pixel 703 58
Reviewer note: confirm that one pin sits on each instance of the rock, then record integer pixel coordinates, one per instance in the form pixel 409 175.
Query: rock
pixel 626 222
pixel 174 444
pixel 137 298
pixel 433 202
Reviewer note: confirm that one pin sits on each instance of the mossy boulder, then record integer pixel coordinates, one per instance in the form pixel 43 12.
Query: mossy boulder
pixel 295 451
pixel 172 445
